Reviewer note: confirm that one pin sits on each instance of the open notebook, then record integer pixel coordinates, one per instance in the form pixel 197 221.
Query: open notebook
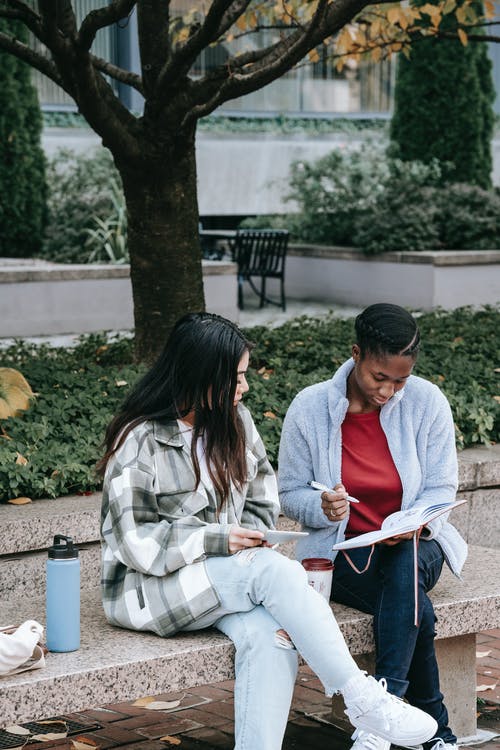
pixel 400 522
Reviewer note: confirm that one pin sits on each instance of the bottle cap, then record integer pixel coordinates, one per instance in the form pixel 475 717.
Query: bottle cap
pixel 63 548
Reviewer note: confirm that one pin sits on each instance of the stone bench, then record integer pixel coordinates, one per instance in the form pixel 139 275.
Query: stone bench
pixel 114 665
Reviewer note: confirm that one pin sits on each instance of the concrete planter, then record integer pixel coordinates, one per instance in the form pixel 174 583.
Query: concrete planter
pixel 39 298
pixel 421 280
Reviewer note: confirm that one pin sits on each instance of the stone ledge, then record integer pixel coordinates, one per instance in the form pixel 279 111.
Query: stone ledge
pixel 114 665
pixel 431 257
pixel 15 273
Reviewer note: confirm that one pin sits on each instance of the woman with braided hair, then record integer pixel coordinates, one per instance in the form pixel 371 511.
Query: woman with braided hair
pixel 379 433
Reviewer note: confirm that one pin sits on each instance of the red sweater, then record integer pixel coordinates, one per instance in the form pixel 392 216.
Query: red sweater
pixel 368 472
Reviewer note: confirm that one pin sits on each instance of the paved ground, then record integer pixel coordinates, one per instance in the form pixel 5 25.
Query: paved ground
pixel 202 718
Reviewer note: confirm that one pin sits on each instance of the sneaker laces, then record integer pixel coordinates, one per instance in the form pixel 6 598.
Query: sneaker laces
pixel 367 741
pixel 440 744
pixel 386 703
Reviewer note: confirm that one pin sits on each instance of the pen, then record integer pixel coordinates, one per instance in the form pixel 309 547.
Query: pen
pixel 324 488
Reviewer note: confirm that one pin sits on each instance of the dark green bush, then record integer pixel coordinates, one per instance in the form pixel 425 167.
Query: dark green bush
pixel 443 106
pixel 377 202
pixel 81 192
pixel 469 217
pixel 79 389
pixel 22 162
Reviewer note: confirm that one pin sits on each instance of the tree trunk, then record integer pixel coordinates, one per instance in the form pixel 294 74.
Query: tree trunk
pixel 163 240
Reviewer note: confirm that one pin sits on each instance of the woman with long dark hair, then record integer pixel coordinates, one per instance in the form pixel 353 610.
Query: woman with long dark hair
pixel 387 438
pixel 188 495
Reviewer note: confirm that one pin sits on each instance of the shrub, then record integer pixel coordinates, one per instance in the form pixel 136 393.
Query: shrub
pixel 81 188
pixel 377 202
pixel 79 389
pixel 22 162
pixel 469 217
pixel 443 106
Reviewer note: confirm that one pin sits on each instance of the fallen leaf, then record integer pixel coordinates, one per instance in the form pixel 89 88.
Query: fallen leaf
pixel 482 688
pixel 480 654
pixel 162 705
pixel 120 383
pixel 144 701
pixel 497 398
pixel 84 743
pixel 170 740
pixel 21 460
pixel 270 415
pixel 60 722
pixel 19 500
pixel 49 736
pixel 15 729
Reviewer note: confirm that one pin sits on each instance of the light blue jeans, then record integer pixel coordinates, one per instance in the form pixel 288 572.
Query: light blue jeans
pixel 262 592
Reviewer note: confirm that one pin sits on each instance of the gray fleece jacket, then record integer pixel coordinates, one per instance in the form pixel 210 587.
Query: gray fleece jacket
pixel 418 424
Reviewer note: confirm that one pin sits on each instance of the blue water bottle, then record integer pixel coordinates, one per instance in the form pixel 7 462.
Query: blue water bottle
pixel 63 596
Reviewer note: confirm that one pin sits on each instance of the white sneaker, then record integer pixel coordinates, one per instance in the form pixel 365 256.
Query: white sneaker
pixel 442 745
pixel 366 741
pixel 378 712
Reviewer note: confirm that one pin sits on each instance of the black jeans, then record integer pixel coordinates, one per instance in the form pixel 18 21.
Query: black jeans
pixel 405 653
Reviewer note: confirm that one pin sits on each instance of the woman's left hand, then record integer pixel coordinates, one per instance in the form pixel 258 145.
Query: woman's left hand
pixel 334 504
pixel 241 538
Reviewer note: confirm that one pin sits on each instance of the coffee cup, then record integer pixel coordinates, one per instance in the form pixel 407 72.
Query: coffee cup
pixel 319 574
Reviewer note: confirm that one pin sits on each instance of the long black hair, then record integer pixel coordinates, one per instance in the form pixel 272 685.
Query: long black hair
pixel 196 372
pixel 384 329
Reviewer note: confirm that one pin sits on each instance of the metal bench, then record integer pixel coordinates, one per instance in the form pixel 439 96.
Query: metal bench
pixel 260 253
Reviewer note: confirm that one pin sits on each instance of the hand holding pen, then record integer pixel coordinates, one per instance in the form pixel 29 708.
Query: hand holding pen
pixel 334 502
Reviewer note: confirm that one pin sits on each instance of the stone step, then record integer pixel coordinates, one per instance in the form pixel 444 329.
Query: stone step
pixel 23 573
pixel 33 526
pixel 26 531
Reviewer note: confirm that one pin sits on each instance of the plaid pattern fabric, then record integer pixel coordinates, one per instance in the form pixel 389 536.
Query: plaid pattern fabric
pixel 157 528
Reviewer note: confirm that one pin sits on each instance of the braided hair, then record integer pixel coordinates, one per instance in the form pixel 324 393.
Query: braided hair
pixel 384 329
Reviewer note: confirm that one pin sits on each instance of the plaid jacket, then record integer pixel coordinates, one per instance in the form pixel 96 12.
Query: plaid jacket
pixel 157 528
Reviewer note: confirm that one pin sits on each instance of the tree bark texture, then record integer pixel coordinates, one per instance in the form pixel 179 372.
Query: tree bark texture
pixel 165 255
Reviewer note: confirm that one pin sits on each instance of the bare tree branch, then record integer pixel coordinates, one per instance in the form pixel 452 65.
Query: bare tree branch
pixel 266 65
pixel 65 17
pixel 215 24
pixel 98 19
pixel 21 12
pixel 118 74
pixel 35 59
pixel 154 41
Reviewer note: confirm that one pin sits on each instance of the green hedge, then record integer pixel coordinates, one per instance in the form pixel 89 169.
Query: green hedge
pixel 23 211
pixel 79 389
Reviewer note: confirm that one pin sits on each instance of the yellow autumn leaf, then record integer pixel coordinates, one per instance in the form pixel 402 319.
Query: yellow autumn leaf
pixel 144 701
pixel 15 393
pixel 463 37
pixel 376 54
pixel 313 55
pixel 497 399
pixel 449 6
pixel 489 9
pixel 84 743
pixel 162 705
pixel 393 15
pixel 20 459
pixel 170 740
pixel 19 500
pixel 270 415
